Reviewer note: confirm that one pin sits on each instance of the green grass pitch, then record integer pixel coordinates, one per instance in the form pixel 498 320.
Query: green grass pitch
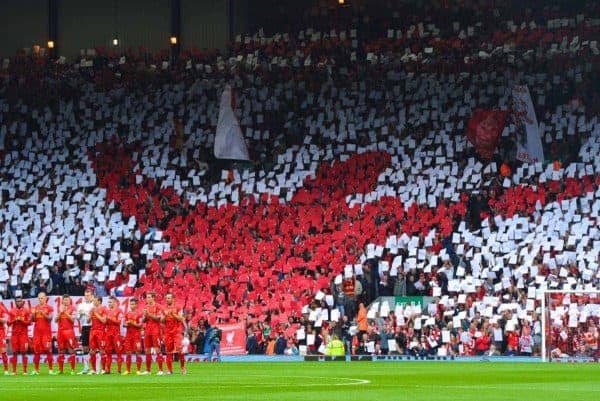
pixel 334 381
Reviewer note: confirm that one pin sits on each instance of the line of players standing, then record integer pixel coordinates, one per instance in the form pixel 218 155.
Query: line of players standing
pixel 100 334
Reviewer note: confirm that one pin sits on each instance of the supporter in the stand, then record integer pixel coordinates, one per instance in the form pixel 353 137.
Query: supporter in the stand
pixel 401 341
pixel 349 288
pixel 290 348
pixel 198 336
pixel 591 339
pixel 526 342
pixel 512 343
pixel 400 284
pixel 482 342
pixel 251 343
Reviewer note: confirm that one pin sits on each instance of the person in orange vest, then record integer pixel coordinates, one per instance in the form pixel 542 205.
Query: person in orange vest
pixel 361 318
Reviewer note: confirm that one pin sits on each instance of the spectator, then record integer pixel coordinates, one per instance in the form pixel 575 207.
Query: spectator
pixel 251 343
pixel 280 344
pixel 526 342
pixel 290 348
pixel 482 342
pixel 363 324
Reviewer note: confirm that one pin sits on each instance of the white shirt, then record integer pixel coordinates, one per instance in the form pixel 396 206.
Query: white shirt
pixel 84 310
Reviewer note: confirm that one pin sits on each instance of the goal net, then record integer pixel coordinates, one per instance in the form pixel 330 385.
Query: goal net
pixel 570 325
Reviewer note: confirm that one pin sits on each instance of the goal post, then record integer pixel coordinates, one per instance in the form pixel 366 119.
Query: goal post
pixel 570 325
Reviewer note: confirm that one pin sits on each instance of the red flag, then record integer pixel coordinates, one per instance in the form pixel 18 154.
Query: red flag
pixel 484 129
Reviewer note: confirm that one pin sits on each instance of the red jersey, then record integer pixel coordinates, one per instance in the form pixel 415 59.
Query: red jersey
pixel 113 324
pixel 153 326
pixel 97 324
pixel 591 338
pixel 19 327
pixel 482 343
pixel 172 325
pixel 560 339
pixel 513 340
pixel 42 324
pixel 3 315
pixel 64 318
pixel 348 287
pixel 135 317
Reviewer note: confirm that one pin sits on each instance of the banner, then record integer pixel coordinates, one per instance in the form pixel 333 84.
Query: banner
pixel 233 340
pixel 484 129
pixel 414 300
pixel 229 142
pixel 529 143
pixel 54 301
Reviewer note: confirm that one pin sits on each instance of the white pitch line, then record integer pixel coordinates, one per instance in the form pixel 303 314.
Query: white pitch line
pixel 210 383
pixel 478 387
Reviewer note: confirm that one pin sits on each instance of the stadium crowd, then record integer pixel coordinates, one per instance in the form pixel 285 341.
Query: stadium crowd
pixel 363 183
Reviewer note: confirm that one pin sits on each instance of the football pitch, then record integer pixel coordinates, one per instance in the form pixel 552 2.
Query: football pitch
pixel 333 381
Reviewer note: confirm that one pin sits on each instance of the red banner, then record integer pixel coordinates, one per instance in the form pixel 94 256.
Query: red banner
pixel 233 339
pixel 484 130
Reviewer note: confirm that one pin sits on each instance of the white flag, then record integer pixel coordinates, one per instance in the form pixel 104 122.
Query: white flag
pixel 229 142
pixel 529 143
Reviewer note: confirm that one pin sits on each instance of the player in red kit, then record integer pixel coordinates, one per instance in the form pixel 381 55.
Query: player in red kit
pixel 174 325
pixel 153 316
pixel 42 333
pixel 133 336
pixel 112 336
pixel 3 322
pixel 65 318
pixel 19 319
pixel 98 318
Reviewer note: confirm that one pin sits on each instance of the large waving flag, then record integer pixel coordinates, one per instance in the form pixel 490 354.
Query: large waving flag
pixel 484 130
pixel 229 142
pixel 529 142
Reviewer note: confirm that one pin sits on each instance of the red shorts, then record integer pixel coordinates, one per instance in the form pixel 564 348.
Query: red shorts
pixel 152 340
pixel 173 343
pixel 113 343
pixel 42 342
pixel 132 343
pixel 96 340
pixel 66 340
pixel 19 343
pixel 2 340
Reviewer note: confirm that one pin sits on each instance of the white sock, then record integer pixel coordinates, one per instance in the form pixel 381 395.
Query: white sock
pixel 86 361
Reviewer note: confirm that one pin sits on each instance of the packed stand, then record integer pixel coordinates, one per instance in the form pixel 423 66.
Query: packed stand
pixel 363 185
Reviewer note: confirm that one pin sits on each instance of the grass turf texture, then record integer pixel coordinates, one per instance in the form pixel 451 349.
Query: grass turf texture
pixel 323 381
